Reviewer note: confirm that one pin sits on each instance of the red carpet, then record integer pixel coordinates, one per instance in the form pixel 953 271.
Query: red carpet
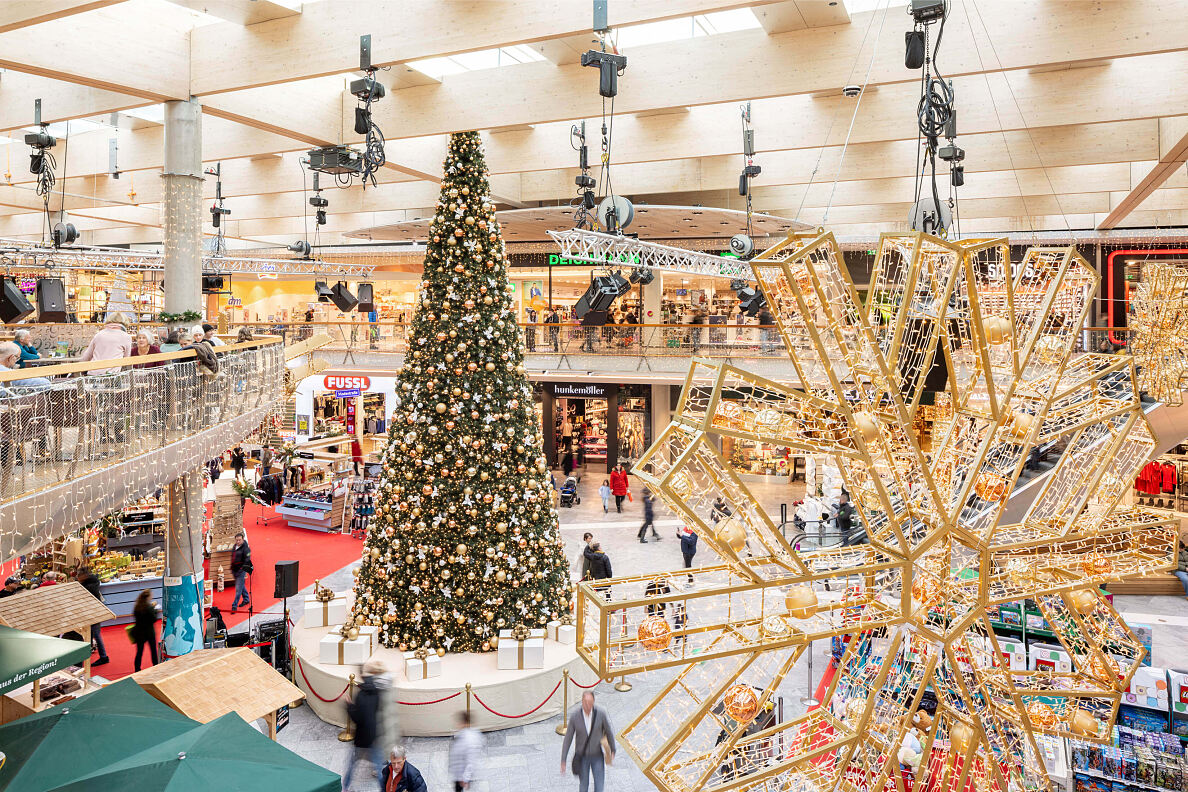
pixel 319 555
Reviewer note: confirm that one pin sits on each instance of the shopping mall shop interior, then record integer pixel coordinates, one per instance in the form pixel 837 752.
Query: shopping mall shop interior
pixel 765 396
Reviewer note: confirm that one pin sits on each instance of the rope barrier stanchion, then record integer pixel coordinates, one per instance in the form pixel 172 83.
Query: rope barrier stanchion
pixel 468 694
pixel 348 734
pixel 597 682
pixel 623 685
pixel 561 729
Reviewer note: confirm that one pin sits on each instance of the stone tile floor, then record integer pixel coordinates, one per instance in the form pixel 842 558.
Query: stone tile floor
pixel 528 757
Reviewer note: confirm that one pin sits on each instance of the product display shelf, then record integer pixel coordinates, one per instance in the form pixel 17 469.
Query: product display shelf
pixel 120 595
pixel 315 515
pixel 143 527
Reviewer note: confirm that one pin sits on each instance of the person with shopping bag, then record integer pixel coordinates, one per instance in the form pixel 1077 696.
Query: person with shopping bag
pixel 618 485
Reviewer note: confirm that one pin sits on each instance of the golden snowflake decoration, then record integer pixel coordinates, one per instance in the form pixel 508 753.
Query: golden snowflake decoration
pixel 953 530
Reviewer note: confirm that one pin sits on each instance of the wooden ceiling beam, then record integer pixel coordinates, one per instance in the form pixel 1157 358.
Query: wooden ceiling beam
pixel 110 48
pixel 240 12
pixel 17 14
pixel 324 38
pixel 1173 147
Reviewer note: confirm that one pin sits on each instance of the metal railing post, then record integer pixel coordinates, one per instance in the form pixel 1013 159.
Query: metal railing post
pixel 564 702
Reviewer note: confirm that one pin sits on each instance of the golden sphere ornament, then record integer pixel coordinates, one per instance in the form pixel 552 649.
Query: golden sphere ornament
pixel 996 329
pixel 732 533
pixel 1084 601
pixel 1084 724
pixel 1042 716
pixel 990 486
pixel 654 633
pixel 800 601
pixel 867 426
pixel 741 703
pixel 1097 565
pixel 962 736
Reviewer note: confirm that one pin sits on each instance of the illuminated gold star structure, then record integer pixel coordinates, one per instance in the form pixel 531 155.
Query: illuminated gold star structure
pixel 941 551
pixel 1159 332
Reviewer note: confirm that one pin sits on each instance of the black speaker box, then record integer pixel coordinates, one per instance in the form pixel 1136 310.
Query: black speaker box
pixel 14 306
pixel 51 300
pixel 212 284
pixel 366 298
pixel 286 579
pixel 342 298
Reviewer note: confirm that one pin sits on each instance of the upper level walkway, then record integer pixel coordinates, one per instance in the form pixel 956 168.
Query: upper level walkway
pixel 79 440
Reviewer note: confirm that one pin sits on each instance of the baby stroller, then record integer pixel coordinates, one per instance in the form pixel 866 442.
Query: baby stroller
pixel 569 494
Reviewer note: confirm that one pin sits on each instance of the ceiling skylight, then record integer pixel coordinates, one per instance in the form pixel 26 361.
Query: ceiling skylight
pixel 474 61
pixel 685 27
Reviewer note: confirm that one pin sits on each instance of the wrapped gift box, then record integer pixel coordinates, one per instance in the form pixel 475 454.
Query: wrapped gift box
pixel 371 633
pixel 333 649
pixel 1046 656
pixel 1148 688
pixel 561 633
pixel 415 668
pixel 325 614
pixel 514 655
pixel 1014 654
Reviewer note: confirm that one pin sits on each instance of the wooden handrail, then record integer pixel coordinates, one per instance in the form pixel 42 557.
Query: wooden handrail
pixel 88 365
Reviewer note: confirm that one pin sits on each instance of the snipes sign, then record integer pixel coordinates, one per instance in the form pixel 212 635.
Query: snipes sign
pixel 338 382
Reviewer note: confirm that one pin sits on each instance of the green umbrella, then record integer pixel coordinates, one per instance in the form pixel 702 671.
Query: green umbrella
pixel 57 745
pixel 25 656
pixel 224 754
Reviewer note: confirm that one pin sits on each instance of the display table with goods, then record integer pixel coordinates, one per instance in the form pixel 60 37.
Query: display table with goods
pixel 53 611
pixel 141 527
pixel 318 508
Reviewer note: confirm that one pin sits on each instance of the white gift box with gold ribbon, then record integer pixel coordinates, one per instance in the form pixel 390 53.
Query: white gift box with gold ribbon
pixel 334 649
pixel 561 632
pixel 514 654
pixel 421 667
pixel 327 613
pixel 370 632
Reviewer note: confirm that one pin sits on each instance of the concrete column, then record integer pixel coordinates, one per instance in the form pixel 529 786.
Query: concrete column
pixel 181 211
pixel 651 300
pixel 661 409
pixel 183 624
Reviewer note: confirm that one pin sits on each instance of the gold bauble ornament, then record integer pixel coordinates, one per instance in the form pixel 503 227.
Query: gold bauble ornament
pixel 1097 565
pixel 867 426
pixel 1084 724
pixel 1021 424
pixel 800 601
pixel 990 486
pixel 741 703
pixel 501 576
pixel 375 553
pixel 441 408
pixel 681 484
pixel 731 533
pixel 1084 601
pixel 440 652
pixel 962 736
pixel 997 329
pixel 654 633
pixel 1041 715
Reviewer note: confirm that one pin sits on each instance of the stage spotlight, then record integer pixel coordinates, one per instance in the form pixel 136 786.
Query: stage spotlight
pixel 603 291
pixel 642 275
pixel 751 301
pixel 323 291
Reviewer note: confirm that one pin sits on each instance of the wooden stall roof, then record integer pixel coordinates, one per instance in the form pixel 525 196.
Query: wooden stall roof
pixel 209 683
pixel 53 610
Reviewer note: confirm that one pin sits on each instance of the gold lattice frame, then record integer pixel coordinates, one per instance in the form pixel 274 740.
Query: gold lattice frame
pixel 940 550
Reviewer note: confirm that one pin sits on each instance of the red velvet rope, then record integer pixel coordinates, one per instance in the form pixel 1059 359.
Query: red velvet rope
pixel 524 715
pixel 301 668
pixel 435 701
pixel 597 682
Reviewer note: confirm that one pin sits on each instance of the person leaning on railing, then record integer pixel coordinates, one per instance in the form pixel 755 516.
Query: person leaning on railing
pixel 10 354
pixel 203 351
pixel 110 343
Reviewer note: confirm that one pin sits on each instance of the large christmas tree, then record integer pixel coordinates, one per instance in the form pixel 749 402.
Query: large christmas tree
pixel 465 540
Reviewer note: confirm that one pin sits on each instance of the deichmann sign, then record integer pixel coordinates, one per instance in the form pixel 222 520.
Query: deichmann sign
pixel 337 382
pixel 583 391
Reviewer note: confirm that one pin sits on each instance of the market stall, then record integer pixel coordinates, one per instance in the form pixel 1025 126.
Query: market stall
pixel 50 610
pixel 26 657
pixel 210 683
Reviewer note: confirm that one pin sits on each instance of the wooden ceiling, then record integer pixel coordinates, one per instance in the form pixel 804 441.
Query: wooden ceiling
pixel 1074 114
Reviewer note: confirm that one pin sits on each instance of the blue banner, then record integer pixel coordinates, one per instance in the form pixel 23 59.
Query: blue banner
pixel 181 623
pixel 347 394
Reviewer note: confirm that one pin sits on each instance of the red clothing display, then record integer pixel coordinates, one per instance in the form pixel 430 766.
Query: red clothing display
pixel 1168 475
pixel 1150 479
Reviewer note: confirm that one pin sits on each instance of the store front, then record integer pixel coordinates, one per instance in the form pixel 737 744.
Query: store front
pixel 344 403
pixel 601 425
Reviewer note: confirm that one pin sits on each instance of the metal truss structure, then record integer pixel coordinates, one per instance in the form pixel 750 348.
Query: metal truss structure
pixel 1159 331
pixel 616 250
pixel 19 254
pixel 915 601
